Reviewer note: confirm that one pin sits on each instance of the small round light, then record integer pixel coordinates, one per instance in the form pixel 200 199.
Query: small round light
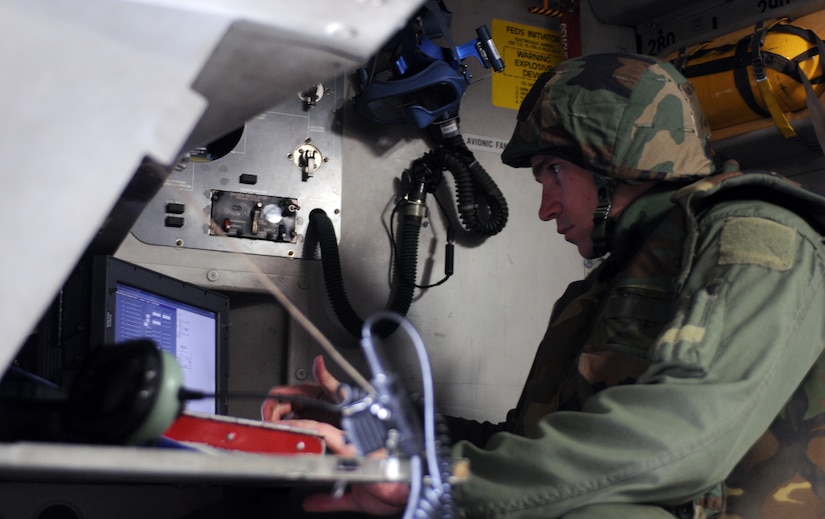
pixel 272 213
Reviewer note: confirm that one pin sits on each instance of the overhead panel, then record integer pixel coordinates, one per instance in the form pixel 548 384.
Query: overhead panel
pixel 664 25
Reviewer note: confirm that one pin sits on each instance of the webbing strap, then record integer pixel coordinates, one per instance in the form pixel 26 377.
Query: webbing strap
pixel 764 84
pixel 774 109
pixel 742 80
pixel 751 47
pixel 602 233
pixel 815 109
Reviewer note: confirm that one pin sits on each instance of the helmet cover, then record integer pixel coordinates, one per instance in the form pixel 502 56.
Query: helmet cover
pixel 624 116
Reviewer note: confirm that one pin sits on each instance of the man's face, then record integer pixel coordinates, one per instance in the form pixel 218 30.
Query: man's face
pixel 568 195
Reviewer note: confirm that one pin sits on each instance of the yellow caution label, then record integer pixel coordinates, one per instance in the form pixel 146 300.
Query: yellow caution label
pixel 527 52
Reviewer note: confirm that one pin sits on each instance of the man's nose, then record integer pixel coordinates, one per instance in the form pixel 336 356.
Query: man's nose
pixel 549 209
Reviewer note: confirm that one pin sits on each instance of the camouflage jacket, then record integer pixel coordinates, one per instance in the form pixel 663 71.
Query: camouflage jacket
pixel 664 366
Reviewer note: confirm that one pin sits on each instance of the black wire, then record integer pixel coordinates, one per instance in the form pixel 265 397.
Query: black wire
pixel 394 244
pixel 191 394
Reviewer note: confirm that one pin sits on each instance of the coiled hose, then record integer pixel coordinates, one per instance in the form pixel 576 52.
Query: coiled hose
pixel 471 179
pixel 406 264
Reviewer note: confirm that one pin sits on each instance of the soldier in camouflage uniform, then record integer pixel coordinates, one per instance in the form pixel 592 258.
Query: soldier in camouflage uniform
pixel 661 369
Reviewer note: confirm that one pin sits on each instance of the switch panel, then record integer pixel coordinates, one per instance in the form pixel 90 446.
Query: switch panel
pixel 257 217
pixel 252 190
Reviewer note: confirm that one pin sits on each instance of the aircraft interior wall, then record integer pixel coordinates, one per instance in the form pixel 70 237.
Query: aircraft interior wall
pixel 313 151
pixel 481 326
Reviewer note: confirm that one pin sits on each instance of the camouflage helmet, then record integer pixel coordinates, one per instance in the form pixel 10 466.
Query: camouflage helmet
pixel 625 116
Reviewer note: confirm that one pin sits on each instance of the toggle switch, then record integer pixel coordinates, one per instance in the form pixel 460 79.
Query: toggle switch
pixel 308 159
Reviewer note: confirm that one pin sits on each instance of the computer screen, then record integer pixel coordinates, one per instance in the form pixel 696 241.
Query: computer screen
pixel 188 321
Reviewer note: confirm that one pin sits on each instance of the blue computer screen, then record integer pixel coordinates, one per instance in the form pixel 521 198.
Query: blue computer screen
pixel 185 331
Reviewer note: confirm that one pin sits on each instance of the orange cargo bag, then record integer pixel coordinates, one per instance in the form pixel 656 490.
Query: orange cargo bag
pixel 773 70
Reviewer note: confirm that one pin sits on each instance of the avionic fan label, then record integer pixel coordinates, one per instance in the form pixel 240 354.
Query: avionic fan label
pixel 481 143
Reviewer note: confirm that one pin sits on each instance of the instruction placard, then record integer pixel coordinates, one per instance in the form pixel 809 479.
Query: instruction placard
pixel 527 52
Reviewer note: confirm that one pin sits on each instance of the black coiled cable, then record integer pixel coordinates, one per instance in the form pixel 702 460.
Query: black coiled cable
pixel 475 190
pixel 482 209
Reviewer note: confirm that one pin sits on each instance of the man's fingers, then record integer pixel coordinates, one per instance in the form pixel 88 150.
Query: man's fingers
pixel 326 389
pixel 377 499
pixel 334 438
pixel 274 408
pixel 325 378
pixel 349 502
pixel 330 503
pixel 273 411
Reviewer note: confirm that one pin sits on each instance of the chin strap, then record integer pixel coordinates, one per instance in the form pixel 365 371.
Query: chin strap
pixel 602 225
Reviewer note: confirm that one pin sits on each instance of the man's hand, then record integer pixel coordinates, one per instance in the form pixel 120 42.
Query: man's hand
pixel 372 498
pixel 325 388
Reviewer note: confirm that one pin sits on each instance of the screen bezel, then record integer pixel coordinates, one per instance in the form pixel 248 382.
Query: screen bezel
pixel 109 272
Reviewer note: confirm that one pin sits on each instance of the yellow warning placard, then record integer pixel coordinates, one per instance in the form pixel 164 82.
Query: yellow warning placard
pixel 527 52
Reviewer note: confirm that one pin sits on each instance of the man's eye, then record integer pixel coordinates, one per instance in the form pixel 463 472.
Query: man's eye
pixel 554 168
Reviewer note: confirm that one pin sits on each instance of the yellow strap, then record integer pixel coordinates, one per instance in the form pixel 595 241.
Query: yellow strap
pixel 773 107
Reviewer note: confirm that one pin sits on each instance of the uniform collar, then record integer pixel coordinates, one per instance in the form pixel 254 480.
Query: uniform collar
pixel 641 217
